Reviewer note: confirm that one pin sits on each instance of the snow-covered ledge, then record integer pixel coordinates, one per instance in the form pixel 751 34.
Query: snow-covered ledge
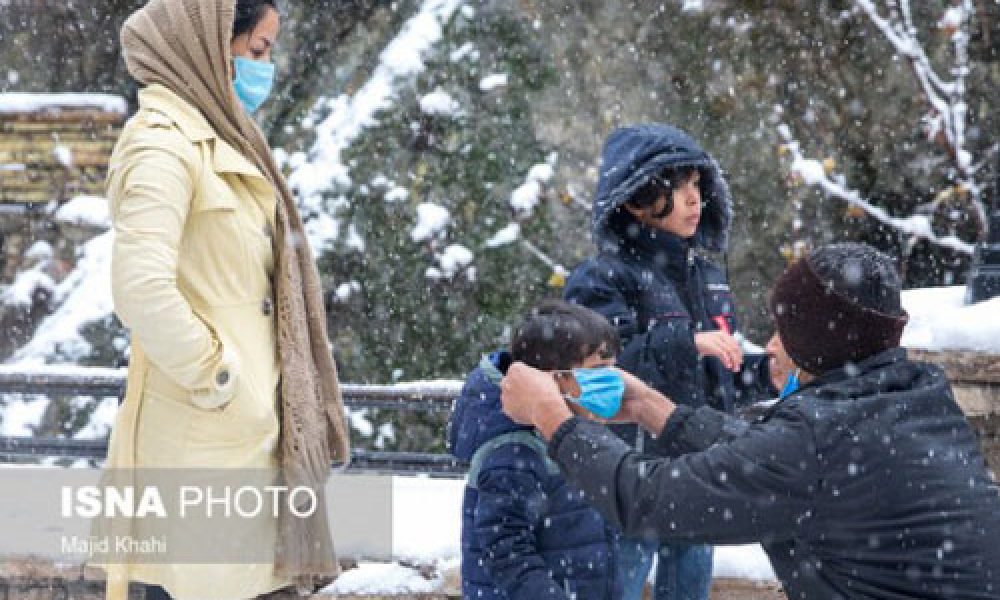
pixel 14 102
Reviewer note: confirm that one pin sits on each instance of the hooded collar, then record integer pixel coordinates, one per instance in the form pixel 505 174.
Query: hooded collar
pixel 855 379
pixel 635 242
pixel 478 414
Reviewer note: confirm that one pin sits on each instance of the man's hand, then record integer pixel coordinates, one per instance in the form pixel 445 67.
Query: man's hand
pixel 531 397
pixel 643 405
pixel 722 346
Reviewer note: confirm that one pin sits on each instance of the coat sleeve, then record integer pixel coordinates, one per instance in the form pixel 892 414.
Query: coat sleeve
pixel 510 509
pixel 151 191
pixel 652 354
pixel 754 486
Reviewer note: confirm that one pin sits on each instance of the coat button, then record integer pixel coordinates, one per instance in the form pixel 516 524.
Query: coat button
pixel 222 377
pixel 267 307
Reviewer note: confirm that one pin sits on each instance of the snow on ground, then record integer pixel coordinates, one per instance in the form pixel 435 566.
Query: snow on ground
pixel 18 102
pixel 427 528
pixel 426 519
pixel 939 319
pixel 382 579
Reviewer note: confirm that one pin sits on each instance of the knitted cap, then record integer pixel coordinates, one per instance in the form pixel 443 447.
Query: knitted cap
pixel 840 304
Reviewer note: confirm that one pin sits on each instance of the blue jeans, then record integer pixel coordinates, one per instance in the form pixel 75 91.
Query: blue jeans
pixel 683 572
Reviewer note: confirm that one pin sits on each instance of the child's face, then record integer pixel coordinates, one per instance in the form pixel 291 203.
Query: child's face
pixel 683 218
pixel 599 358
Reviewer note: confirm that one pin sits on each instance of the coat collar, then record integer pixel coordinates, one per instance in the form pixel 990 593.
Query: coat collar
pixel 193 125
pixel 861 370
pixel 188 120
pixel 633 241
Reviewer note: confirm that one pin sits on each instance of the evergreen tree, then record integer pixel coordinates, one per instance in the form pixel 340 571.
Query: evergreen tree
pixel 422 292
pixel 423 285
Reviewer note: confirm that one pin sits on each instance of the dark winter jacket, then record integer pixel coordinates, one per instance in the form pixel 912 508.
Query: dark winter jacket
pixel 866 486
pixel 653 286
pixel 526 534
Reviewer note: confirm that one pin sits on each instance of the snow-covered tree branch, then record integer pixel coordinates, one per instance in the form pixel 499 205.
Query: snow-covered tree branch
pixel 944 124
pixel 946 121
pixel 814 173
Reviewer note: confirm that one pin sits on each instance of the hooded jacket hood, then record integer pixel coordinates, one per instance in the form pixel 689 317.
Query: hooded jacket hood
pixel 478 415
pixel 632 155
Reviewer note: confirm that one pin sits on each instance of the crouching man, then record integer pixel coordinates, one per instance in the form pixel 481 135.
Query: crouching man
pixel 865 482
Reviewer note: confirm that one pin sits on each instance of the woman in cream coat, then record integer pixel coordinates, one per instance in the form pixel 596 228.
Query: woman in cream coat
pixel 230 365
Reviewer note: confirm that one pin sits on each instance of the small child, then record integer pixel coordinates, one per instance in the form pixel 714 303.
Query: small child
pixel 526 534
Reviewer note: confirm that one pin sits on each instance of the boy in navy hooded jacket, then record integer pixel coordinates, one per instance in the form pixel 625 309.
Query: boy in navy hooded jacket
pixel 526 534
pixel 660 199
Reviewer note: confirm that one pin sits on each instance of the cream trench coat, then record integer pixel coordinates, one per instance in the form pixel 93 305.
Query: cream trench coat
pixel 191 277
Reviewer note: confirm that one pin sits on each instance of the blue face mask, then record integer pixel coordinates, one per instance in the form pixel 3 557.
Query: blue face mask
pixel 253 82
pixel 791 386
pixel 601 391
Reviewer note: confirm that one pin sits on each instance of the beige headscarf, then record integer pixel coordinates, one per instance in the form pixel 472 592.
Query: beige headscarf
pixel 185 46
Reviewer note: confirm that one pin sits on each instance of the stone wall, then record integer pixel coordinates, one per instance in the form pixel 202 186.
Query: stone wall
pixel 52 149
pixel 55 153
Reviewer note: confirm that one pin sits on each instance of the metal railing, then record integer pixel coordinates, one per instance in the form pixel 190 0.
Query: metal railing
pixel 57 382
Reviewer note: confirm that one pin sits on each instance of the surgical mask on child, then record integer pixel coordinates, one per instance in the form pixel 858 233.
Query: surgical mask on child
pixel 253 83
pixel 601 391
pixel 791 386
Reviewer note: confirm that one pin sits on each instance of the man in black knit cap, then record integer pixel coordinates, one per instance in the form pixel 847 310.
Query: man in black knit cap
pixel 865 482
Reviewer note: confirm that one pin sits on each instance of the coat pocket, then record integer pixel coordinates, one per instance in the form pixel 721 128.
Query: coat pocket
pixel 248 418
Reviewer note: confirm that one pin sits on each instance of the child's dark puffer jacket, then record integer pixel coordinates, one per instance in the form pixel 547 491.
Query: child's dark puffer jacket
pixel 526 534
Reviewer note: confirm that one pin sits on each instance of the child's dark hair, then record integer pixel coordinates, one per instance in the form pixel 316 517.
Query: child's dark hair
pixel 249 13
pixel 661 184
pixel 558 335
